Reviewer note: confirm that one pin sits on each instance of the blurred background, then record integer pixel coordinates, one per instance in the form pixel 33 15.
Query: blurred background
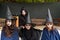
pixel 37 8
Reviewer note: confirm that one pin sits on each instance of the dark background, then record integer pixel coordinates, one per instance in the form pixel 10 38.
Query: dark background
pixel 37 10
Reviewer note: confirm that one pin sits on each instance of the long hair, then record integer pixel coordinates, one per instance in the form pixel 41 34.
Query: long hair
pixel 22 18
pixel 24 10
pixel 8 29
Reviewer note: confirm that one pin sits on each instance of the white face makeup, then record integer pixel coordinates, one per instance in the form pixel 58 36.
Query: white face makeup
pixel 23 12
pixel 9 22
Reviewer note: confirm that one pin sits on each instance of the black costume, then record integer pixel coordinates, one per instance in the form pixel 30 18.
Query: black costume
pixel 31 34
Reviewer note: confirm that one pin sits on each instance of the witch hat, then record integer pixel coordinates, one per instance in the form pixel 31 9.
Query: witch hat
pixel 28 19
pixel 49 17
pixel 8 14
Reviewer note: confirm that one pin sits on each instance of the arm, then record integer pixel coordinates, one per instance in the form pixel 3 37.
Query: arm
pixel 16 35
pixel 43 36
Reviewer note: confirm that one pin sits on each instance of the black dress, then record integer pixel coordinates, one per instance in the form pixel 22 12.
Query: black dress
pixel 22 20
pixel 31 34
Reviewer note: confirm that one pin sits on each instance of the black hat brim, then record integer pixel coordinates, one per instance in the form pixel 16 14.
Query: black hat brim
pixel 33 25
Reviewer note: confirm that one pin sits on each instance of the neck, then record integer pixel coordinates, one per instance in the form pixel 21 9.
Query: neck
pixel 49 29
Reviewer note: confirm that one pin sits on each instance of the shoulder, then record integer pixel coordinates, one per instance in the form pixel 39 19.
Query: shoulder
pixel 20 16
pixel 45 29
pixel 58 31
pixel 55 30
pixel 37 31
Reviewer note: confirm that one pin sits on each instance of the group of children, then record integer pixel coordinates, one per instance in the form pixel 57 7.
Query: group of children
pixel 25 30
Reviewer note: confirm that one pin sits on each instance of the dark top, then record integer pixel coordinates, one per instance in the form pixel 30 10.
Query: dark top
pixel 31 34
pixel 22 20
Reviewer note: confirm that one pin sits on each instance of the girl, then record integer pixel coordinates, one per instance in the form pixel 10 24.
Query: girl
pixel 49 32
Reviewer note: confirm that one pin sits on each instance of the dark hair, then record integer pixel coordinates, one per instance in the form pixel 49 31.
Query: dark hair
pixel 9 29
pixel 24 10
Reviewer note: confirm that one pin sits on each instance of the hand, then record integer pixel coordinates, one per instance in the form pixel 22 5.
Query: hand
pixel 22 27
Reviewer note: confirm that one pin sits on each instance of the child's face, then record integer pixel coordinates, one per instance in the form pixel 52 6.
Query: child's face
pixel 49 25
pixel 28 26
pixel 9 22
pixel 23 12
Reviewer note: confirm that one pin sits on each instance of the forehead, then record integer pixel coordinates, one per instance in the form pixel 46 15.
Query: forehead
pixel 49 23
